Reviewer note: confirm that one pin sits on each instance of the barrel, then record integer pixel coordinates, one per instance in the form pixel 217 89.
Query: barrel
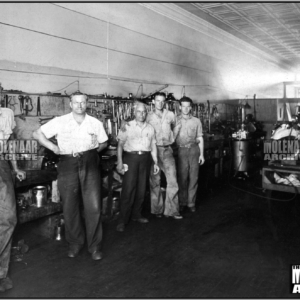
pixel 241 155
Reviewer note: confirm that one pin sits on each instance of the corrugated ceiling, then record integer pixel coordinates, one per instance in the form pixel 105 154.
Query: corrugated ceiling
pixel 271 27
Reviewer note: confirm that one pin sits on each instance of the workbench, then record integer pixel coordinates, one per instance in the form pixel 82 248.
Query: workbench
pixel 40 177
pixel 37 177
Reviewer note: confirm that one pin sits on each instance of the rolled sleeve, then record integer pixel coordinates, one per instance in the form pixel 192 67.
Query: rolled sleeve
pixel 199 130
pixel 122 136
pixel 51 128
pixel 101 136
pixel 153 142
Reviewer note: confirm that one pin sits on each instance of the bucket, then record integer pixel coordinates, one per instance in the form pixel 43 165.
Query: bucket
pixel 39 196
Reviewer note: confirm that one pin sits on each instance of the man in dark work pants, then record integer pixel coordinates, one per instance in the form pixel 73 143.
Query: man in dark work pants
pixel 138 142
pixel 79 137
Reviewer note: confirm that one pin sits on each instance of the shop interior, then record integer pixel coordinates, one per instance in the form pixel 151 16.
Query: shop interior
pixel 239 63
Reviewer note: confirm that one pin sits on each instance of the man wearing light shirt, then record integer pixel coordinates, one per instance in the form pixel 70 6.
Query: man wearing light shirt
pixel 80 137
pixel 137 142
pixel 189 139
pixel 163 122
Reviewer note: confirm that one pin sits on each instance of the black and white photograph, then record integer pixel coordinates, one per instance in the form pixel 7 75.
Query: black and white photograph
pixel 149 150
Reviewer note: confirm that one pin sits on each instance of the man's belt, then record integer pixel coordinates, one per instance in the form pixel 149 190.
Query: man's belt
pixel 163 146
pixel 188 145
pixel 77 154
pixel 137 152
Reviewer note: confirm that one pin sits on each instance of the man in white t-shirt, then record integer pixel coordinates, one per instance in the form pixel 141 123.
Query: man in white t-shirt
pixel 80 137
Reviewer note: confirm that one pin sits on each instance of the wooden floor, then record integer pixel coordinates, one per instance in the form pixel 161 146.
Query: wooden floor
pixel 235 245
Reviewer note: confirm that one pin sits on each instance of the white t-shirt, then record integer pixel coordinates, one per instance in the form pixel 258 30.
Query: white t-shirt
pixel 72 137
pixel 7 123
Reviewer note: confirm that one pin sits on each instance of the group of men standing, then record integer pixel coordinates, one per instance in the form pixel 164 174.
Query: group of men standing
pixel 144 148
pixel 155 133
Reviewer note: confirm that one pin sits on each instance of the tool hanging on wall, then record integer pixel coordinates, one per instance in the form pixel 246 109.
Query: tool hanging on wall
pixel 254 107
pixel 6 100
pixel 208 115
pixel 21 99
pixel 11 102
pixel 215 112
pixel 38 109
pixel 27 104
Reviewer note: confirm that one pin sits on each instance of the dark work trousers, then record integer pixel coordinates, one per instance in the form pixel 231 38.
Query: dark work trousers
pixel 187 172
pixel 134 185
pixel 8 218
pixel 79 178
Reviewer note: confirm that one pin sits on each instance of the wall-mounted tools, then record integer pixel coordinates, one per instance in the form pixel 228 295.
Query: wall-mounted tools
pixel 6 100
pixel 21 99
pixel 25 104
pixel 38 107
pixel 208 115
pixel 215 112
pixel 28 105
pixel 9 102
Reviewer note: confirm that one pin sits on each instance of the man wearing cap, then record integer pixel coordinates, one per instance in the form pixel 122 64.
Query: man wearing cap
pixel 135 144
pixel 163 122
pixel 80 137
pixel 189 138
pixel 8 215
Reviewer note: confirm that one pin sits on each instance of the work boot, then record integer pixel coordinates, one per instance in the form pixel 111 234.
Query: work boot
pixel 97 255
pixel 74 250
pixel 176 217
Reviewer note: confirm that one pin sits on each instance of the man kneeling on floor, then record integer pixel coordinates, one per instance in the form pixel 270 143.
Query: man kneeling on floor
pixel 137 141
